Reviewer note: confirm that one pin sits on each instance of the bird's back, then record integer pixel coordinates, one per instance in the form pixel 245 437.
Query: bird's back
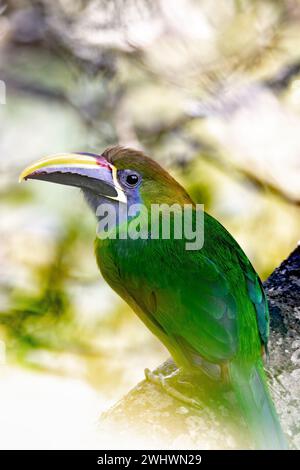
pixel 196 302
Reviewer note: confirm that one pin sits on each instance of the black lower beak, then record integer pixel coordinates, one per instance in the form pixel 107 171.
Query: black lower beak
pixel 84 171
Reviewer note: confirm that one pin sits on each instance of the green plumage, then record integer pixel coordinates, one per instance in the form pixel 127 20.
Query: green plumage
pixel 207 306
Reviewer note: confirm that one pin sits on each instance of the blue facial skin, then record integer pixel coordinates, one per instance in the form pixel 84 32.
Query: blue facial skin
pixel 132 193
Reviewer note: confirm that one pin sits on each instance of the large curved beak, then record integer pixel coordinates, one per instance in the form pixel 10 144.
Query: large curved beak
pixel 83 170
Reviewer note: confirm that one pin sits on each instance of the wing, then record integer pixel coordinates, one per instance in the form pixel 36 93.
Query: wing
pixel 188 299
pixel 196 308
pixel 254 285
pixel 258 297
pixel 202 302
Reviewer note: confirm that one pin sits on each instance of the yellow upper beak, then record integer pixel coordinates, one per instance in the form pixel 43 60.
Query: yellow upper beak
pixel 59 160
pixel 77 169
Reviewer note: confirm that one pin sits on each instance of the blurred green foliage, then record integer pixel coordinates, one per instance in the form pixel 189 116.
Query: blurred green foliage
pixel 207 91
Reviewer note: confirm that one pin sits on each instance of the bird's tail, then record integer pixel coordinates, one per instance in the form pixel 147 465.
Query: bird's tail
pixel 251 390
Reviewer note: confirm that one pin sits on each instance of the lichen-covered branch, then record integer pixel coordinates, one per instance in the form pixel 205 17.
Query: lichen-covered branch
pixel 149 417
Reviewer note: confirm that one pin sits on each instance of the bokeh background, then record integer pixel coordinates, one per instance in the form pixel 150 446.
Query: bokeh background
pixel 211 89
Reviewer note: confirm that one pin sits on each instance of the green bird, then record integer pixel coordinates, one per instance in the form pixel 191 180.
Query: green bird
pixel 206 305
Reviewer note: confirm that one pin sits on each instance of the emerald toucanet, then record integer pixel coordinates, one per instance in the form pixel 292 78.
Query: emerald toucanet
pixel 207 306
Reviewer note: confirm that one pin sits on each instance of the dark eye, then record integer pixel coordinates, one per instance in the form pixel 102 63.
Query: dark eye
pixel 131 179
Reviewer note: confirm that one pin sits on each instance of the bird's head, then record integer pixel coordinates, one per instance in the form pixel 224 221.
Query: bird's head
pixel 118 175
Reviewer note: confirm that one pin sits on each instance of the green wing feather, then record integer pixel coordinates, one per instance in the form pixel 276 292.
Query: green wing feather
pixel 203 299
pixel 254 287
pixel 258 297
pixel 208 307
pixel 199 310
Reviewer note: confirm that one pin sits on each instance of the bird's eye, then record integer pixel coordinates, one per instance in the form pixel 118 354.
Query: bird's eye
pixel 131 179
